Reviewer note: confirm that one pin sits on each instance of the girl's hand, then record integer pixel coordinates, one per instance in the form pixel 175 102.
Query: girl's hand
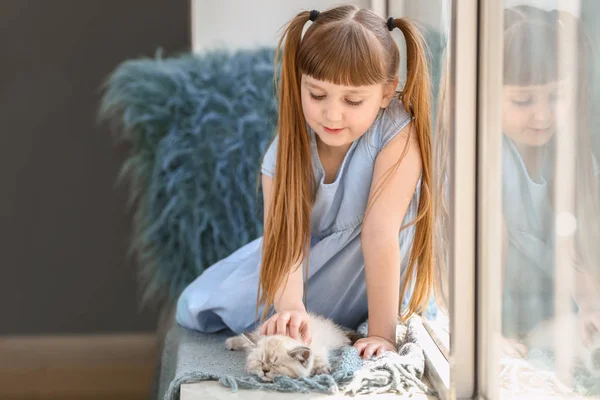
pixel 513 348
pixel 373 345
pixel 589 326
pixel 294 323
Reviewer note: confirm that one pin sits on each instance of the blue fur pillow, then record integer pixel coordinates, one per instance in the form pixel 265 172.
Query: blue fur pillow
pixel 197 126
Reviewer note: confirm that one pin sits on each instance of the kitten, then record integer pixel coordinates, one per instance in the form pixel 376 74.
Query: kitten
pixel 543 337
pixel 273 355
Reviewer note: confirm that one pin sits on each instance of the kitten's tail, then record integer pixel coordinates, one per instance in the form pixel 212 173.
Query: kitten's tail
pixel 352 335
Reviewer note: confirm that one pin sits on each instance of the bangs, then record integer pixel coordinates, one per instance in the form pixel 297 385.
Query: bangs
pixel 531 55
pixel 343 54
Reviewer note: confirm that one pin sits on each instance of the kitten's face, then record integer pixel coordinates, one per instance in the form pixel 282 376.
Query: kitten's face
pixel 279 355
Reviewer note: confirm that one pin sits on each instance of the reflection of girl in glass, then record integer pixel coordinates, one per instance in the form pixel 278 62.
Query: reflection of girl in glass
pixel 538 95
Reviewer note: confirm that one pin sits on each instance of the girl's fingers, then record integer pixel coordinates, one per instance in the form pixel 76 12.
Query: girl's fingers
pixel 265 326
pixel 282 323
pixel 596 322
pixel 294 326
pixel 272 326
pixel 306 332
pixel 369 350
pixel 359 347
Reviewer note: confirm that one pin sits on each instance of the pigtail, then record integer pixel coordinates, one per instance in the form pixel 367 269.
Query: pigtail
pixel 286 237
pixel 416 98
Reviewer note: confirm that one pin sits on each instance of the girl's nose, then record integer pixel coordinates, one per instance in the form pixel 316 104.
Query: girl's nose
pixel 543 111
pixel 332 114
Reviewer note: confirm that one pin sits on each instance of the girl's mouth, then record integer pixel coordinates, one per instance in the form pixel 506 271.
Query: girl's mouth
pixel 334 131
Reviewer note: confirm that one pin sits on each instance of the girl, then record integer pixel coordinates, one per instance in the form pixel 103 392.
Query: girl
pixel 535 104
pixel 349 168
pixel 537 98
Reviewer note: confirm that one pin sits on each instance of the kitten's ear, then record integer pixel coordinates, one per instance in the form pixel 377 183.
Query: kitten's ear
pixel 250 338
pixel 301 354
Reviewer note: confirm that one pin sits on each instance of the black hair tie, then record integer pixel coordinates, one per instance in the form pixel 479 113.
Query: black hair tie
pixel 313 15
pixel 391 23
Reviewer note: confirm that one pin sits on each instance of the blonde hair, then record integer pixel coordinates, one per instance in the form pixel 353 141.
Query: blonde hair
pixel 441 166
pixel 353 47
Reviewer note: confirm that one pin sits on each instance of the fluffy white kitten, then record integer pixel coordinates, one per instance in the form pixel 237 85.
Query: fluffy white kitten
pixel 543 336
pixel 273 355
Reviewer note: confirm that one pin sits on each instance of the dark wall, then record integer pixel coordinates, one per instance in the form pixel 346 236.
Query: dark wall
pixel 64 225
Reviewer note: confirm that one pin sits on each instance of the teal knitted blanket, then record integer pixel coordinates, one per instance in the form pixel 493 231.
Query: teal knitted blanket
pixel 193 357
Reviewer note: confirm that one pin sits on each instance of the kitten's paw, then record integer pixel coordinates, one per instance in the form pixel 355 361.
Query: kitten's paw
pixel 232 343
pixel 268 377
pixel 240 342
pixel 321 366
pixel 255 370
pixel 323 369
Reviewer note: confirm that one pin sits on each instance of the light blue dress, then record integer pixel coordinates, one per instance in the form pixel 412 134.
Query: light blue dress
pixel 528 297
pixel 224 295
pixel 529 274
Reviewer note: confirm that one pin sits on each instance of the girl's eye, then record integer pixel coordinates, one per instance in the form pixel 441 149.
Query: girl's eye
pixel 523 102
pixel 354 103
pixel 351 103
pixel 556 96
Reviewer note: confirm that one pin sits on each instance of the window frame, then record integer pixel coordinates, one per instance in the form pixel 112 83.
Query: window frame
pixel 453 375
pixel 489 198
pixel 471 366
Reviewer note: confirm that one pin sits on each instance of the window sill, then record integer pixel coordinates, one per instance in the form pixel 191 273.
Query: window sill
pixel 437 368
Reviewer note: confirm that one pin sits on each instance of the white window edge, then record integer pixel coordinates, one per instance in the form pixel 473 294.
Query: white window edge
pixel 437 367
pixel 489 197
pixel 463 127
pixel 440 338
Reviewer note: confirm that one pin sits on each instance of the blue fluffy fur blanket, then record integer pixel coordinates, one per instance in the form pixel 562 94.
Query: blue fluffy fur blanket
pixel 197 128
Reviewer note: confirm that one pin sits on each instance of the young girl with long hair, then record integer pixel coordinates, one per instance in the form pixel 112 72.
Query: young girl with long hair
pixel 348 213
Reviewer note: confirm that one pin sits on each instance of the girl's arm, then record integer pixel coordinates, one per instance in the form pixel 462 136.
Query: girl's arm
pixel 289 296
pixel 586 294
pixel 379 236
pixel 504 253
pixel 586 290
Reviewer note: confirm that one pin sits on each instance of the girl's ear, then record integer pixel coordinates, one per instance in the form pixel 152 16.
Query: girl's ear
pixel 389 90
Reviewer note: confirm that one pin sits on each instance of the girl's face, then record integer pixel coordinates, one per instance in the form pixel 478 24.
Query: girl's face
pixel 531 114
pixel 341 114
